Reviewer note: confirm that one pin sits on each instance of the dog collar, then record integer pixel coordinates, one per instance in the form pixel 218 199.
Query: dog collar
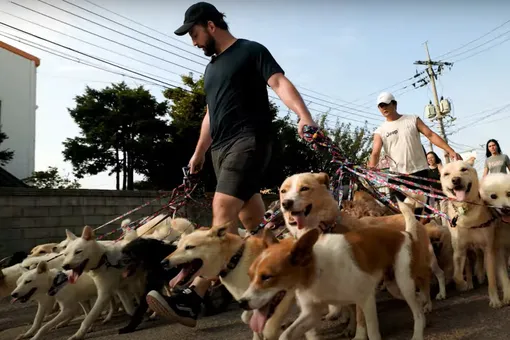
pixel 104 261
pixel 58 282
pixel 234 261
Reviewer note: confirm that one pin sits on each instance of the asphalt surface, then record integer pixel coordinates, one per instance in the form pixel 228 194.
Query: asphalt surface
pixel 461 316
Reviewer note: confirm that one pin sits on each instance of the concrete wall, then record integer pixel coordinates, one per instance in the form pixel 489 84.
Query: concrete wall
pixel 17 111
pixel 34 216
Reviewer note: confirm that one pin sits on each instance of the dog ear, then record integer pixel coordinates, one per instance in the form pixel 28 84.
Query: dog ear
pixel 70 235
pixel 322 178
pixel 42 267
pixel 301 253
pixel 269 238
pixel 220 230
pixel 87 234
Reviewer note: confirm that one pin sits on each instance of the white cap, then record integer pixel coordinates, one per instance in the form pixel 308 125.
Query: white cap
pixel 385 97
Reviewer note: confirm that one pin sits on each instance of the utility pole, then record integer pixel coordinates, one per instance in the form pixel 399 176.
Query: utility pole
pixel 432 76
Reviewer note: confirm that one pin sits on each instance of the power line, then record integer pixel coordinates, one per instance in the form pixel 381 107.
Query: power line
pixel 138 23
pixel 171 37
pixel 121 33
pixel 86 54
pixel 108 19
pixel 71 58
pixel 472 41
pixel 111 40
pixel 482 44
pixel 92 44
pixel 134 30
pixel 139 73
pixel 105 38
pixel 484 50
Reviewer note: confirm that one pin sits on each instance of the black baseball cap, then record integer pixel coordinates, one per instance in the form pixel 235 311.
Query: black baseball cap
pixel 201 11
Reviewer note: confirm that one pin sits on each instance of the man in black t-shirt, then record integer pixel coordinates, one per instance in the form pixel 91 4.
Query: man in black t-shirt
pixel 236 127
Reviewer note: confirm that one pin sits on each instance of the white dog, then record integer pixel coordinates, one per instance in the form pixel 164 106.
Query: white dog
pixel 101 261
pixel 39 284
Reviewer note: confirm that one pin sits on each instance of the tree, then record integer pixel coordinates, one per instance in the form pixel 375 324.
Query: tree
pixel 120 128
pixel 5 155
pixel 51 179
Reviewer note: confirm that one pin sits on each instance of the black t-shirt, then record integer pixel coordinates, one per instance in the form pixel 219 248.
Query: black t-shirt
pixel 235 84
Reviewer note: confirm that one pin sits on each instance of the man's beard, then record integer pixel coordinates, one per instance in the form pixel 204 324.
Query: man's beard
pixel 210 47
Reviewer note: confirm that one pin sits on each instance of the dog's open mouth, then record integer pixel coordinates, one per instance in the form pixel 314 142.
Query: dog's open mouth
pixel 25 297
pixel 75 274
pixel 460 192
pixel 298 217
pixel 187 273
pixel 261 315
pixel 505 214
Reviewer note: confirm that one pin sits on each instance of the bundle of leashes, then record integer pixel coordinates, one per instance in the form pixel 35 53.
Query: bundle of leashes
pixel 320 141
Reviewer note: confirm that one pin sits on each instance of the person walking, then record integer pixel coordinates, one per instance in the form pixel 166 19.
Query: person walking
pixel 235 127
pixel 496 160
pixel 399 135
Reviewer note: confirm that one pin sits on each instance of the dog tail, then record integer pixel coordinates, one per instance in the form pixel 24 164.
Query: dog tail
pixel 411 222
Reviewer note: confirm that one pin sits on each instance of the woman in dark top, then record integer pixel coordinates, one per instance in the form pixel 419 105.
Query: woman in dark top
pixel 435 167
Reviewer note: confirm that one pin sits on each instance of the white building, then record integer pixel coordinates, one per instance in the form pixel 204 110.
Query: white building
pixel 17 107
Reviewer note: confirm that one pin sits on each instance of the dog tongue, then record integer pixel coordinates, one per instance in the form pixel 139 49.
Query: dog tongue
pixel 257 321
pixel 73 277
pixel 300 220
pixel 182 274
pixel 460 195
pixel 506 218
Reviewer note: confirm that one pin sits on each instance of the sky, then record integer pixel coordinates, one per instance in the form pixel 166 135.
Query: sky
pixel 339 54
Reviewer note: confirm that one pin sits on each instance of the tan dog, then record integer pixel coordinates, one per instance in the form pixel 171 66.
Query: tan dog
pixel 44 249
pixel 337 269
pixel 208 252
pixel 473 226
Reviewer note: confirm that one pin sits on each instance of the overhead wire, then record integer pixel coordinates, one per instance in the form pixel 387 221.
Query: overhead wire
pixel 472 41
pixel 105 38
pixel 122 33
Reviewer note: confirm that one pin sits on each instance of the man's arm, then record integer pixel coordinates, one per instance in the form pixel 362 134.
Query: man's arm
pixel 435 139
pixel 275 77
pixel 289 95
pixel 205 140
pixel 376 151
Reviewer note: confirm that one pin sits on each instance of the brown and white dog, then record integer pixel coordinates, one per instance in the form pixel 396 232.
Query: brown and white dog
pixel 474 227
pixel 337 269
pixel 214 252
pixel 307 204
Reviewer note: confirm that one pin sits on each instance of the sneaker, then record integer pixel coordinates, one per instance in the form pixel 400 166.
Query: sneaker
pixel 183 307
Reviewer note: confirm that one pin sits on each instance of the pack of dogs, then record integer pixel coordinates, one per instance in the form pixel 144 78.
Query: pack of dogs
pixel 316 258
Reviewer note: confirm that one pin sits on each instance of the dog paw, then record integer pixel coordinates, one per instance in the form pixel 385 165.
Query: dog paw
pixel 463 286
pixel 440 296
pixel 427 307
pixel 495 303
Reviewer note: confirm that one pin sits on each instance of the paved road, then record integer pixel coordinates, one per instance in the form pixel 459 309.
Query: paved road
pixel 463 316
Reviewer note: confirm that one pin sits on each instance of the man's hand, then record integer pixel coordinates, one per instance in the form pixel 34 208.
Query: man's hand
pixel 455 156
pixel 302 123
pixel 196 162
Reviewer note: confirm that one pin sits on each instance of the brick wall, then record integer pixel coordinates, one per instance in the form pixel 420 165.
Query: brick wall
pixel 34 216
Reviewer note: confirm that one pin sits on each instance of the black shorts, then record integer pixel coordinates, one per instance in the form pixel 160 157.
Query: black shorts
pixel 400 195
pixel 240 166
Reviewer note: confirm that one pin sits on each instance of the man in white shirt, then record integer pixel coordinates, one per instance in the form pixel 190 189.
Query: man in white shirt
pixel 399 135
